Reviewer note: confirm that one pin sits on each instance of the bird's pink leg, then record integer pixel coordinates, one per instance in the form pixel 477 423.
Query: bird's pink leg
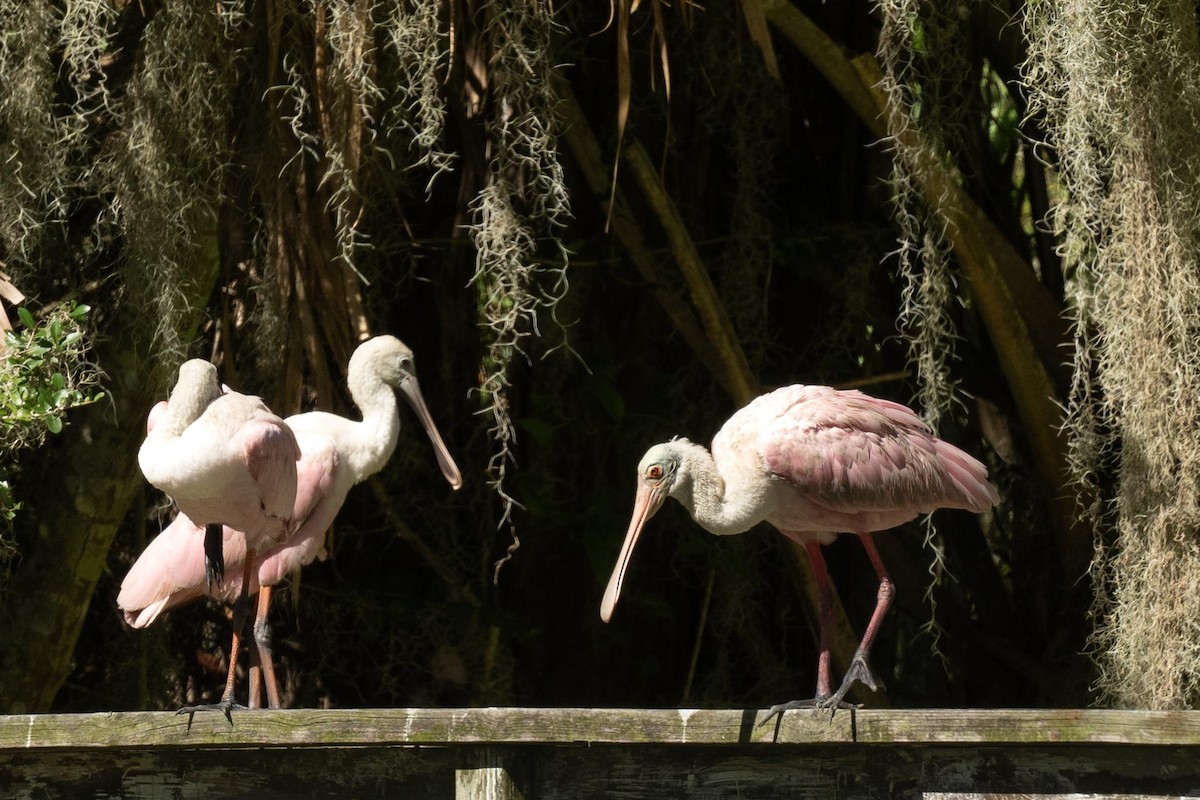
pixel 825 629
pixel 262 645
pixel 227 702
pixel 825 618
pixel 859 671
pixel 254 695
pixel 239 623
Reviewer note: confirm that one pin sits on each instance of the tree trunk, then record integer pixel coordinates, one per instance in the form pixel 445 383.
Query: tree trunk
pixel 74 507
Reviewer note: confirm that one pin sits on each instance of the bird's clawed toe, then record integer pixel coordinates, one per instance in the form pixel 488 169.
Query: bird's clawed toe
pixel 225 705
pixel 817 704
pixel 858 672
pixel 778 709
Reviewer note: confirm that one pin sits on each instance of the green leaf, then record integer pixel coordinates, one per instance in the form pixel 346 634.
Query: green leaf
pixel 26 317
pixel 55 424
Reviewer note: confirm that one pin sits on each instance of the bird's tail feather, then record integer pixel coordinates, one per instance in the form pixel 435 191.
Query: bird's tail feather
pixel 970 478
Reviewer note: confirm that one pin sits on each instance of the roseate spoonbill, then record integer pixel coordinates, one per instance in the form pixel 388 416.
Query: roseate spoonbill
pixel 814 462
pixel 336 454
pixel 224 458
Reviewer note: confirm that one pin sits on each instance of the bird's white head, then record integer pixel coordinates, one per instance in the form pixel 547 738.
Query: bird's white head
pixel 196 388
pixel 387 359
pixel 659 468
pixel 198 376
pixel 658 476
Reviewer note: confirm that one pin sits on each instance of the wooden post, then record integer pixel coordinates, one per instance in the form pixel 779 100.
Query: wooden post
pixel 485 776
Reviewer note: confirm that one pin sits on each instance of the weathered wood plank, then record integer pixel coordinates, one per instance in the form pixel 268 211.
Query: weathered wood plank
pixel 358 727
pixel 570 726
pixel 1029 726
pixel 1027 796
pixel 580 754
pixel 213 774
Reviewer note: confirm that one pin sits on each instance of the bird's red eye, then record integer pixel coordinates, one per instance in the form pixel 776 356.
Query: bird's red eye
pixel 654 472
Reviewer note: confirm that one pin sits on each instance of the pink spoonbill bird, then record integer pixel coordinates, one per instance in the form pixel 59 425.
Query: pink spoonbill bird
pixel 814 462
pixel 225 459
pixel 336 454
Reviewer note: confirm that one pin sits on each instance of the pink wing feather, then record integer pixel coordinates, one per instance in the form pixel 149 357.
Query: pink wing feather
pixel 270 450
pixel 170 572
pixel 316 506
pixel 851 452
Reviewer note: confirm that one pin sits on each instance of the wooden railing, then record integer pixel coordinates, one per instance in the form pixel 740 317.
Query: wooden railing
pixel 602 753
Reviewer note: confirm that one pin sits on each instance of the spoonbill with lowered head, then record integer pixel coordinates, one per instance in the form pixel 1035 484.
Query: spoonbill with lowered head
pixel 814 462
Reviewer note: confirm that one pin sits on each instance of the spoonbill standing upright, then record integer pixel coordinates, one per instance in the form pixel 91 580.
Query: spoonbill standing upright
pixel 336 454
pixel 225 459
pixel 814 462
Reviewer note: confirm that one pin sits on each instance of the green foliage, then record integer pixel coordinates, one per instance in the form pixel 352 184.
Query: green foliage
pixel 8 511
pixel 44 373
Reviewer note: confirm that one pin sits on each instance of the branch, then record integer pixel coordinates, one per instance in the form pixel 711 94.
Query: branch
pixel 734 368
pixel 581 141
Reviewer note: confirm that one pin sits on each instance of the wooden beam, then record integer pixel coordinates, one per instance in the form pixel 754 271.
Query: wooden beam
pixel 577 754
pixel 417 726
pixel 585 727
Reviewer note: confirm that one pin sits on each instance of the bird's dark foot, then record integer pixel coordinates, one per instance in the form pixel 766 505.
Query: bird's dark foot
pixel 225 705
pixel 859 672
pixel 214 554
pixel 815 703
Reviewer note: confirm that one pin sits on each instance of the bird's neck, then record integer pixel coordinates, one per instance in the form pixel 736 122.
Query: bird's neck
pixel 374 438
pixel 185 407
pixel 716 501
